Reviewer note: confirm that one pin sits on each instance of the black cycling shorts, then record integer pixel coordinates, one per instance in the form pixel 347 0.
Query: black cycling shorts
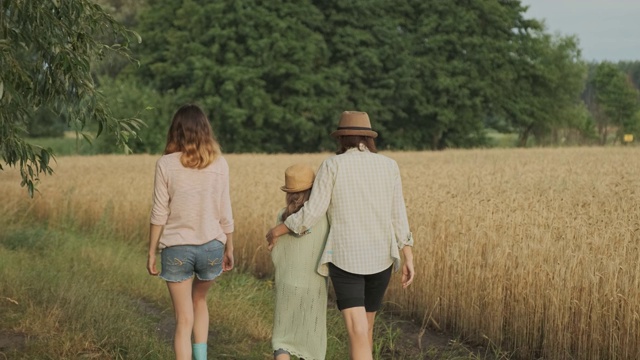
pixel 354 290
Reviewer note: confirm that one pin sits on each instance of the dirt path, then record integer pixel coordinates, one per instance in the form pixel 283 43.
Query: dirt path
pixel 414 342
pixel 401 339
pixel 11 342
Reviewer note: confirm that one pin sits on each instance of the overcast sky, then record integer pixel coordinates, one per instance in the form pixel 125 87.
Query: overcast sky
pixel 607 29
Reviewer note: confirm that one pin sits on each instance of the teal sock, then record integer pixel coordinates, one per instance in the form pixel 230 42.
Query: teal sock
pixel 200 351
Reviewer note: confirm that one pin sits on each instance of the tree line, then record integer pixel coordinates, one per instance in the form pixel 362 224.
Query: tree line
pixel 275 75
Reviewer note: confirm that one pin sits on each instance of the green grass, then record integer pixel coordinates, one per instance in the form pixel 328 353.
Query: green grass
pixel 74 296
pixel 68 295
pixel 502 140
pixel 65 146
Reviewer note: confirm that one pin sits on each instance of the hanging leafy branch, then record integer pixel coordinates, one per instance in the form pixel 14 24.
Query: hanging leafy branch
pixel 46 51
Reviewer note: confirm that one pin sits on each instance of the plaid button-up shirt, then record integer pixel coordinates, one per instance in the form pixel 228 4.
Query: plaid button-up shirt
pixel 361 192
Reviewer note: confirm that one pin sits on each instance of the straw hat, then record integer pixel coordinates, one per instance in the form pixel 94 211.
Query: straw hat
pixel 354 123
pixel 298 177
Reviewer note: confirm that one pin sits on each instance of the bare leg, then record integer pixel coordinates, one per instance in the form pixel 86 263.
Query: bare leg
pixel 360 347
pixel 371 317
pixel 183 308
pixel 200 311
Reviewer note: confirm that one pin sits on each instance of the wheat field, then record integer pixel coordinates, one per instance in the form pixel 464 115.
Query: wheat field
pixel 533 251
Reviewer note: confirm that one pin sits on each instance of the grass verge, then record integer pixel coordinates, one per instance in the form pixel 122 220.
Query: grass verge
pixel 65 295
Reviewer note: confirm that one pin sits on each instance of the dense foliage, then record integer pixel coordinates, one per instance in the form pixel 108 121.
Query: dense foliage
pixel 46 51
pixel 612 96
pixel 275 75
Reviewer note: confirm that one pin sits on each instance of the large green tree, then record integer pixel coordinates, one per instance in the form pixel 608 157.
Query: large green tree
pixel 46 51
pixel 616 101
pixel 546 90
pixel 632 69
pixel 275 75
pixel 259 68
pixel 125 12
pixel 369 58
pixel 463 61
pixel 126 98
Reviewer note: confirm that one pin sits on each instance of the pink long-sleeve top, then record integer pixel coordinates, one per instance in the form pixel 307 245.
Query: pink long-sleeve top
pixel 193 205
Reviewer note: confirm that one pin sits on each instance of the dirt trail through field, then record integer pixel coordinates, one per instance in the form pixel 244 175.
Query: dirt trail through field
pixel 435 345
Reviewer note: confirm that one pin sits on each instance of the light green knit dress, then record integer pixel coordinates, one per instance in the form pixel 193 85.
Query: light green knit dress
pixel 300 318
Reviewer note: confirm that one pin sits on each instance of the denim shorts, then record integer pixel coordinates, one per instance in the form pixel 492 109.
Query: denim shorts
pixel 181 262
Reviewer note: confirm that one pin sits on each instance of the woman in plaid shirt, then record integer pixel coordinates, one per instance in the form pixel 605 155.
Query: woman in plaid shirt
pixel 361 193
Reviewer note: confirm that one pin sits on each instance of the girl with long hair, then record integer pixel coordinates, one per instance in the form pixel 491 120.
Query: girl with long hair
pixel 191 225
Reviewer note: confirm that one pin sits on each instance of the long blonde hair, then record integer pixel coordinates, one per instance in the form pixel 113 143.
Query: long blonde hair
pixel 295 201
pixel 190 133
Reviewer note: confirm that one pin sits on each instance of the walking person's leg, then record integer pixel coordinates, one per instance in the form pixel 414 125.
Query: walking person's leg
pixel 371 317
pixel 375 285
pixel 200 318
pixel 355 320
pixel 208 266
pixel 183 308
pixel 200 310
pixel 350 296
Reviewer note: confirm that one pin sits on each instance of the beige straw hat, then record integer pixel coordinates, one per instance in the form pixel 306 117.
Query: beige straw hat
pixel 354 123
pixel 298 177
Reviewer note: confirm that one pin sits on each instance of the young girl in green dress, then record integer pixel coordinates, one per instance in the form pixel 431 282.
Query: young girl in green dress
pixel 299 326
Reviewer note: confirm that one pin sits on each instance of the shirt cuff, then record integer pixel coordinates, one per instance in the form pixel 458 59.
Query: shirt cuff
pixel 291 226
pixel 227 228
pixel 159 220
pixel 408 241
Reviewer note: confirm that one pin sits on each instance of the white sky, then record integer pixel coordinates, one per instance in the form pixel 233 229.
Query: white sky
pixel 607 29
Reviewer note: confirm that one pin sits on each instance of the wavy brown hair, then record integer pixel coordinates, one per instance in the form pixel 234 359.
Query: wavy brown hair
pixel 353 141
pixel 190 133
pixel 295 201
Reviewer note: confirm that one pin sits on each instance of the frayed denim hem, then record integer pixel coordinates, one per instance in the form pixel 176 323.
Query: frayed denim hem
pixel 174 281
pixel 213 278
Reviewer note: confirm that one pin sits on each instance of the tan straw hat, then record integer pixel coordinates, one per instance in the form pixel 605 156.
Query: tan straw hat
pixel 298 177
pixel 354 123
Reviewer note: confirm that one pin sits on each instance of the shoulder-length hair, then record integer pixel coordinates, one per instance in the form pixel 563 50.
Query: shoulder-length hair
pixel 353 141
pixel 295 201
pixel 190 133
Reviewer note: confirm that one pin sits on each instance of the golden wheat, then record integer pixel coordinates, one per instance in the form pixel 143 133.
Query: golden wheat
pixel 534 251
